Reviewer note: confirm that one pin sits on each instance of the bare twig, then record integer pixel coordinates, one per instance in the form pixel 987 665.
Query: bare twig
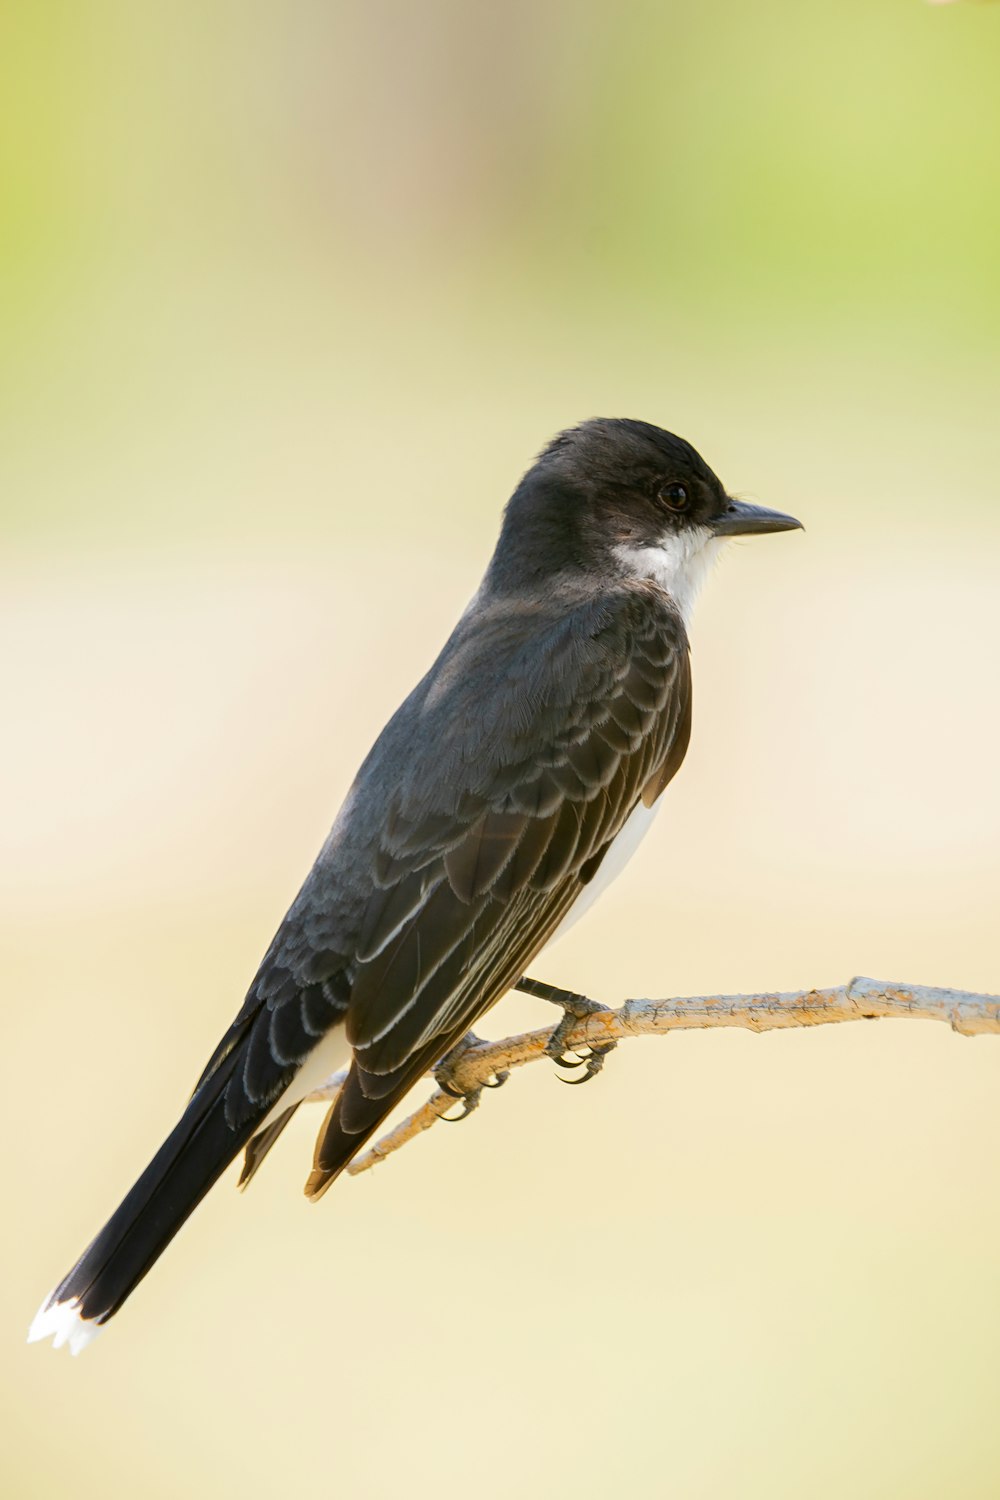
pixel 861 1000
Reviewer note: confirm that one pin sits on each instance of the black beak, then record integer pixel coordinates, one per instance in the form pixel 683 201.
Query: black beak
pixel 742 519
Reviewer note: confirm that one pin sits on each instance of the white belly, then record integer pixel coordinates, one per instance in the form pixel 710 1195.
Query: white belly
pixel 637 825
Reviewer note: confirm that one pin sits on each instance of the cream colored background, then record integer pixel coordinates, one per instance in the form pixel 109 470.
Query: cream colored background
pixel 296 294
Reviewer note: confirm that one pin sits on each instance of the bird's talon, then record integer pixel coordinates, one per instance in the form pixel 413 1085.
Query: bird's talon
pixel 593 1063
pixel 444 1073
pixel 498 1080
pixel 575 1008
pixel 469 1103
pixel 569 1061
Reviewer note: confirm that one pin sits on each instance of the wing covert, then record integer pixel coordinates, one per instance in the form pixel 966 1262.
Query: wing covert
pixel 500 873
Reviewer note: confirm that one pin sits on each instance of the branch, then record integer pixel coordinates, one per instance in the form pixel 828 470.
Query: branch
pixel 861 1000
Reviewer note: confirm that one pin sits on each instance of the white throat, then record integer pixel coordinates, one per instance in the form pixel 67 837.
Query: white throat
pixel 679 562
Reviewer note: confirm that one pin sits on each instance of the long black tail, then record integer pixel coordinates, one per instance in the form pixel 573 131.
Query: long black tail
pixel 191 1159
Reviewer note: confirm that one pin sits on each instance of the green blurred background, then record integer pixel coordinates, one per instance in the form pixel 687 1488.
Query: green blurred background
pixel 291 295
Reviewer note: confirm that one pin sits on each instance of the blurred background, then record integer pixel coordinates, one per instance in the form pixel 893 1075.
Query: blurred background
pixel 291 296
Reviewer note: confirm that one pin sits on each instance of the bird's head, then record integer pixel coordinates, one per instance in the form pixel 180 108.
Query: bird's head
pixel 625 496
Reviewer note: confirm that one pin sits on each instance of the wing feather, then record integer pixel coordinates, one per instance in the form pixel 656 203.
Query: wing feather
pixel 484 809
pixel 508 879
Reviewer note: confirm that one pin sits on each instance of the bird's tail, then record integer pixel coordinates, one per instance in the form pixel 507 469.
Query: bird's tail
pixel 191 1159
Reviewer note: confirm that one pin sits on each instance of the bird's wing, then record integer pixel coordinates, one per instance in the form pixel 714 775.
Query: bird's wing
pixel 481 854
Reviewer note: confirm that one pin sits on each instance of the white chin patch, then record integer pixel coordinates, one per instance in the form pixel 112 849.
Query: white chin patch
pixel 61 1321
pixel 680 562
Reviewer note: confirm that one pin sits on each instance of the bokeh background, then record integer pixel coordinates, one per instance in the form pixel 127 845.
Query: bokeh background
pixel 291 295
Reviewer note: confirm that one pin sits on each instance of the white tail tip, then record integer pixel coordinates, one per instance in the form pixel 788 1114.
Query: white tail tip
pixel 61 1321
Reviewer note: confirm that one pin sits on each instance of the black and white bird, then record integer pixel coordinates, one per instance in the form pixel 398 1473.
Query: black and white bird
pixel 509 788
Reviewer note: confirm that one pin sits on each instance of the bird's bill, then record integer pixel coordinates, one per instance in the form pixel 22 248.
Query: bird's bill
pixel 740 518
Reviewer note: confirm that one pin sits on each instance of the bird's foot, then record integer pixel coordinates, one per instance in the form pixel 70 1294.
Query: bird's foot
pixel 444 1077
pixel 575 1008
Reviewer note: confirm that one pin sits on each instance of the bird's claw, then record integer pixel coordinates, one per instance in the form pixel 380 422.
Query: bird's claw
pixel 576 1008
pixel 592 1063
pixel 447 1087
pixel 444 1077
pixel 567 1060
pixel 469 1102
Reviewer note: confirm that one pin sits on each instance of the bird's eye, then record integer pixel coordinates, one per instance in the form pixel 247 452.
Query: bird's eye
pixel 675 497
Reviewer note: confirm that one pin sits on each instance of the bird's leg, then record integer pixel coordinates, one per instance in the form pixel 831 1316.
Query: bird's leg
pixel 574 1008
pixel 444 1077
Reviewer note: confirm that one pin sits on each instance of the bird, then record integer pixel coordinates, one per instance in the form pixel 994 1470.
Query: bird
pixel 505 793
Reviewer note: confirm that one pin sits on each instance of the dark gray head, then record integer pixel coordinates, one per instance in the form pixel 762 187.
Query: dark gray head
pixel 623 495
